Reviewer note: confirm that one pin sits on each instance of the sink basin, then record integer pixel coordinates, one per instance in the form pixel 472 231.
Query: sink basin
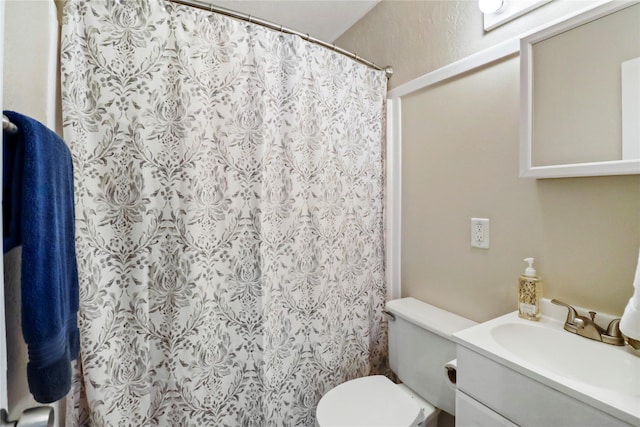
pixel 577 358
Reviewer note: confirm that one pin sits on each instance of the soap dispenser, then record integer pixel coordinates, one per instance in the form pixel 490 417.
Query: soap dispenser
pixel 529 292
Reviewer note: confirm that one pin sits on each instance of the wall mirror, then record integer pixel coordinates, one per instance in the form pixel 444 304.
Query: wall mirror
pixel 580 94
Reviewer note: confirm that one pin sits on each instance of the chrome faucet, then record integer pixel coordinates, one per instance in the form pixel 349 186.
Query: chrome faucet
pixel 588 328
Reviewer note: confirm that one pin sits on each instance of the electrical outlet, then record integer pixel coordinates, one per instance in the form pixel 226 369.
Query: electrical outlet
pixel 480 233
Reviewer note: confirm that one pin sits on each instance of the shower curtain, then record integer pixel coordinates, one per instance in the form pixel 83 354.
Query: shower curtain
pixel 229 209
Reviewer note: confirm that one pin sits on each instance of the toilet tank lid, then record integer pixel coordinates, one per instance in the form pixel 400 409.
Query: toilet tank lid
pixel 429 317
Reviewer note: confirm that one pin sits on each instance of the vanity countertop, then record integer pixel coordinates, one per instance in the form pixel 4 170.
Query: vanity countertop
pixel 603 376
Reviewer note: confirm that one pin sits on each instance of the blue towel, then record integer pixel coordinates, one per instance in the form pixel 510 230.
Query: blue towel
pixel 38 213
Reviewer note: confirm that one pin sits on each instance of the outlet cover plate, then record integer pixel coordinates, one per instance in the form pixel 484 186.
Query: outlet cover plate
pixel 480 233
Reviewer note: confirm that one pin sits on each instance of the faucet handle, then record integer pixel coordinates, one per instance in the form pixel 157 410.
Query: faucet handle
pixel 613 330
pixel 613 335
pixel 571 314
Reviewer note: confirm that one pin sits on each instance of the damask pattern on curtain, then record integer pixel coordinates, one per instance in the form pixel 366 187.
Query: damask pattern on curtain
pixel 229 189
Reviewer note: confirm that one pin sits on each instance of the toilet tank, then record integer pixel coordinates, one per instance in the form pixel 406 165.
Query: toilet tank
pixel 420 345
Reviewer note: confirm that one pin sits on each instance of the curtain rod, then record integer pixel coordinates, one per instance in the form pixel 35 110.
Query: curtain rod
pixel 244 17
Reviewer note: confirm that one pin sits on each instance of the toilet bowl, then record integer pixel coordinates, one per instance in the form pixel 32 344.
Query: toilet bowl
pixel 419 347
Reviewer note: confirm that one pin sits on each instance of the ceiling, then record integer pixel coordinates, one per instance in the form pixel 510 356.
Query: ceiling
pixel 323 19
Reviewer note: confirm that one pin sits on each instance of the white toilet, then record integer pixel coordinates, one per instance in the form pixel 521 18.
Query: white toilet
pixel 419 347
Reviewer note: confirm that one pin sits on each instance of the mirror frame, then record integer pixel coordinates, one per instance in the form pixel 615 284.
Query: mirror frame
pixel 527 170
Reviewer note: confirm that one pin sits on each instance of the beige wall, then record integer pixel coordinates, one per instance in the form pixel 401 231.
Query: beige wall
pixel 460 160
pixel 417 36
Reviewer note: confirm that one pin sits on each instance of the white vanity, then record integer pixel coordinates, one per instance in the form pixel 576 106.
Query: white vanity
pixel 514 372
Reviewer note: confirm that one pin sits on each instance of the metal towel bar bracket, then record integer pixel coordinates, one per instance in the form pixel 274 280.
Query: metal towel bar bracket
pixel 8 126
pixel 40 416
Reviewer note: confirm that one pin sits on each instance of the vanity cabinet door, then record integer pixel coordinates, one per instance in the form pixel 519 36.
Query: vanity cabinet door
pixel 471 413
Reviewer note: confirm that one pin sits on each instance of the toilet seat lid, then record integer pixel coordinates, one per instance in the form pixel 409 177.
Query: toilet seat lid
pixel 368 401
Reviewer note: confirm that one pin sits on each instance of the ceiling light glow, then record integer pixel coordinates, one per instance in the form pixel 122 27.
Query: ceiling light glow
pixel 490 6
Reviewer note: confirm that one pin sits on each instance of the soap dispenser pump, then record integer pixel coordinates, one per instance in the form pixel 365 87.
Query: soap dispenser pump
pixel 529 292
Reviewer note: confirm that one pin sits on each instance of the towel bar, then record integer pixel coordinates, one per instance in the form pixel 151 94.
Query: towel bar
pixel 8 126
